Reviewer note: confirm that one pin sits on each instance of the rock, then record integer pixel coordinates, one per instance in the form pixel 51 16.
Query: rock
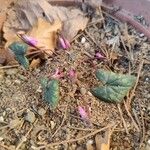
pixel 83 40
pixel 83 91
pixel 52 124
pixel 1 138
pixel 18 82
pixel 41 112
pixel 8 82
pixel 30 116
pixel 1 119
pixel 11 71
pixel 148 145
pixel 39 90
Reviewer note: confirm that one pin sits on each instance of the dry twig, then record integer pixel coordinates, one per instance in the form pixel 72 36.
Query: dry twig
pixel 137 80
pixel 23 139
pixel 64 118
pixel 129 114
pixel 77 139
pixel 121 115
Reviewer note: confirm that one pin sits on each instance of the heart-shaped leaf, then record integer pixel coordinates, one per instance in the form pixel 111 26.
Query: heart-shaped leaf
pixel 19 49
pixel 51 91
pixel 115 86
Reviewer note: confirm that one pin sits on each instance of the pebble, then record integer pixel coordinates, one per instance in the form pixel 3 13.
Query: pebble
pixel 8 82
pixel 1 138
pixel 1 119
pixel 52 124
pixel 142 35
pixel 18 82
pixel 11 71
pixel 83 40
pixel 39 90
pixel 83 91
pixel 30 116
pixel 41 112
pixel 148 145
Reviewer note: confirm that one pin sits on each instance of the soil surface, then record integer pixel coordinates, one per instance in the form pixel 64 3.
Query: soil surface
pixel 27 122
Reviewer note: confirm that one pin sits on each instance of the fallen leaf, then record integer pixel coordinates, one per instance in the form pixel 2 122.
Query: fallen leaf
pixel 103 143
pixel 114 86
pixel 46 33
pixel 6 57
pixel 35 63
pixel 25 14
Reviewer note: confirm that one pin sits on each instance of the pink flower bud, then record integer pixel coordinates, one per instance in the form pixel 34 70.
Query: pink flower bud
pixel 98 55
pixel 72 73
pixel 83 113
pixel 64 43
pixel 57 74
pixel 30 40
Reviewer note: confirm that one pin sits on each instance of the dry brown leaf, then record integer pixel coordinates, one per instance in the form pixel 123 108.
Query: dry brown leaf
pixel 26 13
pixel 6 57
pixel 35 63
pixel 46 34
pixel 103 143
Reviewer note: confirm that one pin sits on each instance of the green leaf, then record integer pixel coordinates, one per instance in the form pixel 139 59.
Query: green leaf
pixel 115 86
pixel 51 91
pixel 19 49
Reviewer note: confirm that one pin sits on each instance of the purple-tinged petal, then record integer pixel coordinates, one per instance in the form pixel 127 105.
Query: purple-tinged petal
pixel 62 43
pixel 57 74
pixel 30 40
pixel 83 113
pixel 67 43
pixel 98 55
pixel 72 73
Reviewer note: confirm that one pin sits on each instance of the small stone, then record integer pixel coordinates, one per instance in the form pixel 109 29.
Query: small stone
pixel 148 145
pixel 87 45
pixel 1 119
pixel 41 112
pixel 1 138
pixel 11 71
pixel 83 40
pixel 52 124
pixel 142 35
pixel 83 91
pixel 39 90
pixel 18 82
pixel 8 82
pixel 4 113
pixel 30 116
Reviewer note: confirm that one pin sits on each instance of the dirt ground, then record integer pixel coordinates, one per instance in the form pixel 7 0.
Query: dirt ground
pixel 26 122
